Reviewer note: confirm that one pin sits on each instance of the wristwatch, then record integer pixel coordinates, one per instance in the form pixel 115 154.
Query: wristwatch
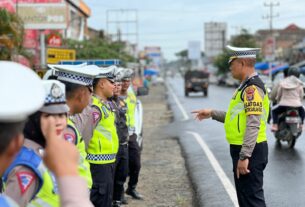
pixel 243 157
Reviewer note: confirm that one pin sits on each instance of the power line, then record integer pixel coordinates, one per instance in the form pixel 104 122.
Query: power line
pixel 271 16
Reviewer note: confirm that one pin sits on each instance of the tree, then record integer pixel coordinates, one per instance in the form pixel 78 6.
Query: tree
pixel 11 34
pixel 99 49
pixel 243 40
pixel 184 61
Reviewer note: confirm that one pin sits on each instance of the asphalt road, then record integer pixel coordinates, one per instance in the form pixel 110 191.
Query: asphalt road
pixel 207 153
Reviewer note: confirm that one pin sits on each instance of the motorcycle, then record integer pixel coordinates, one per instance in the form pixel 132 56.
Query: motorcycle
pixel 289 127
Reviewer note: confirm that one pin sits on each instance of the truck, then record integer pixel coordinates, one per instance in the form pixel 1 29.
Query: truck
pixel 196 81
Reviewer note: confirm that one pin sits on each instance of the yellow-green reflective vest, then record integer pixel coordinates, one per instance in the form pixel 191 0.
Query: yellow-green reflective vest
pixel 83 166
pixel 104 143
pixel 235 121
pixel 131 101
pixel 48 194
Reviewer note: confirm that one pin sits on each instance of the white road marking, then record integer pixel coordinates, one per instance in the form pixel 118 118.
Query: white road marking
pixel 184 113
pixel 217 168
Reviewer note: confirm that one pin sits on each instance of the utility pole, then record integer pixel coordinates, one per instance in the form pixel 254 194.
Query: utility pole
pixel 271 16
pixel 122 25
pixel 271 40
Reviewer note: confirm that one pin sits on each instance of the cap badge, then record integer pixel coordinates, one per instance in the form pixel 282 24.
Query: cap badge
pixel 56 91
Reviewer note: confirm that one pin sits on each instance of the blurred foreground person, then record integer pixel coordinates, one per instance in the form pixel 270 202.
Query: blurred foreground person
pixel 59 156
pixel 245 127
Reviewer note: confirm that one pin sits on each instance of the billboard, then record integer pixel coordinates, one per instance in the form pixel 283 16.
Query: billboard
pixel 154 54
pixel 43 16
pixel 194 51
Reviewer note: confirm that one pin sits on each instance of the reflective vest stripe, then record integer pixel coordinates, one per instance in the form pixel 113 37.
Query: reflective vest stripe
pixel 100 157
pixel 38 203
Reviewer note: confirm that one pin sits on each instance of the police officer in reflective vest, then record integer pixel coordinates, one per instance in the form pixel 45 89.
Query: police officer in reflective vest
pixel 133 146
pixel 78 92
pixel 245 127
pixel 62 161
pixel 121 170
pixel 103 145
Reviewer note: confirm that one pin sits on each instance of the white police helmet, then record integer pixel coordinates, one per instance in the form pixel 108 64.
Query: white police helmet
pixel 21 90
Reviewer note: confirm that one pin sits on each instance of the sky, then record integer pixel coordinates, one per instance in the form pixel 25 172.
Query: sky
pixel 171 24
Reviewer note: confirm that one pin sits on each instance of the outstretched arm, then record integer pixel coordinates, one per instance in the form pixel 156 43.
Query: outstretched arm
pixel 208 113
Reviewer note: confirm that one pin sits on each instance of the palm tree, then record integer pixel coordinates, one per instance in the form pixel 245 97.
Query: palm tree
pixel 11 34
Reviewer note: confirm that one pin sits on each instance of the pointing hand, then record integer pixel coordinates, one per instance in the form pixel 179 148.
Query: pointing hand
pixel 202 114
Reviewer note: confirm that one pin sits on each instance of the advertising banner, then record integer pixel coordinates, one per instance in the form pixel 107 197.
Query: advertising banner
pixel 43 16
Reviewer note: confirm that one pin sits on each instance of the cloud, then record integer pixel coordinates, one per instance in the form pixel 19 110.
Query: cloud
pixel 172 23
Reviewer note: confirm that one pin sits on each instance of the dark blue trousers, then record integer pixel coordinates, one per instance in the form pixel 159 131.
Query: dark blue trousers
pixel 102 188
pixel 121 172
pixel 249 187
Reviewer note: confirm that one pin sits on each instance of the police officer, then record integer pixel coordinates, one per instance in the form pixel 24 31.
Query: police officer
pixel 245 127
pixel 133 146
pixel 121 169
pixel 78 81
pixel 63 161
pixel 103 145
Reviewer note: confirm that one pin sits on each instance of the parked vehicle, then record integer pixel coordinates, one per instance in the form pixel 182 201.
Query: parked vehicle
pixel 289 127
pixel 227 80
pixel 196 81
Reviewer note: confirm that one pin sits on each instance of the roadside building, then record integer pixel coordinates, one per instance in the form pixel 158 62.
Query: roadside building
pixel 284 39
pixel 215 34
pixel 57 19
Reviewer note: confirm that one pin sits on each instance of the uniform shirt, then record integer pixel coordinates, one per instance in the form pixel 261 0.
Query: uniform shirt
pixel 87 121
pixel 22 182
pixel 253 121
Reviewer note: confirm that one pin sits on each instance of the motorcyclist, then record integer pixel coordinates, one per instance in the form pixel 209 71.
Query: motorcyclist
pixel 289 93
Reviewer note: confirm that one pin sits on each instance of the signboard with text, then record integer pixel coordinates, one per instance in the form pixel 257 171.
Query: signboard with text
pixel 269 48
pixel 43 16
pixel 55 55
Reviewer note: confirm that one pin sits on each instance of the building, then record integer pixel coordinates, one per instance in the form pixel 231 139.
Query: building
pixel 94 33
pixel 215 34
pixel 55 19
pixel 285 39
pixel 77 15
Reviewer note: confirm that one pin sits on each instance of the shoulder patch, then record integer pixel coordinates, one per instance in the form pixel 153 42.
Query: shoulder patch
pixel 250 93
pixel 95 116
pixel 252 101
pixel 70 137
pixel 25 179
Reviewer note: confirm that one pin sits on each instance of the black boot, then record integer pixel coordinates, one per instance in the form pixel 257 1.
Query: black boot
pixel 116 204
pixel 133 193
pixel 124 200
